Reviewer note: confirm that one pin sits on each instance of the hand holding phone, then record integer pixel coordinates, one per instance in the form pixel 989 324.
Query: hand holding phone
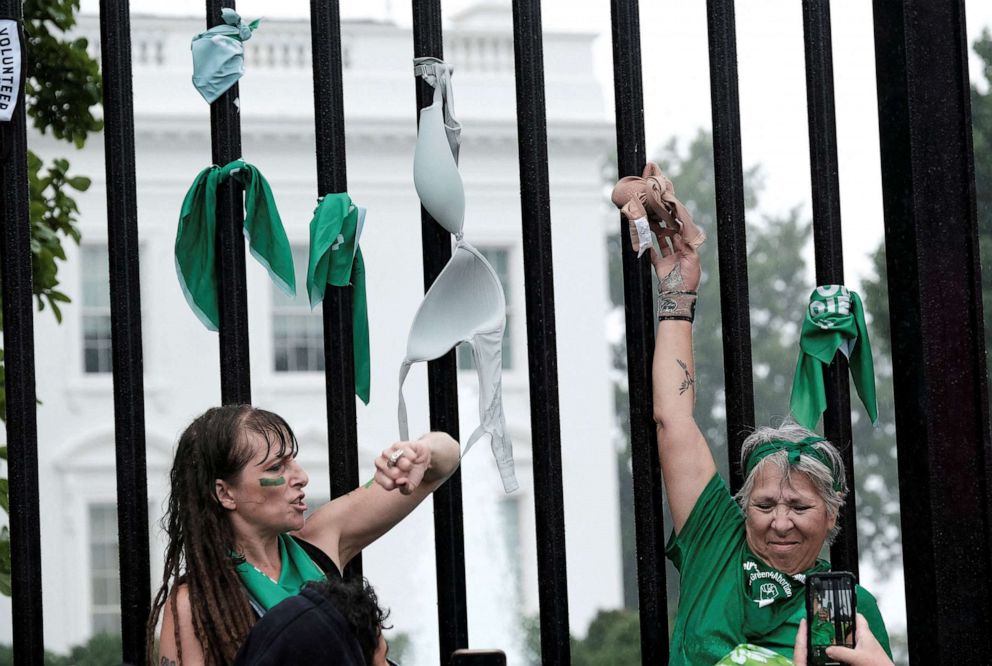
pixel 867 651
pixel 831 608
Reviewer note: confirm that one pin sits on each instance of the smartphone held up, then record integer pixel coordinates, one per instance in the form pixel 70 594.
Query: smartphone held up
pixel 831 609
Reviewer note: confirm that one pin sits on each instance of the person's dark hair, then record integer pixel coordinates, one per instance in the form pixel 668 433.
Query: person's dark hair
pixel 356 600
pixel 201 540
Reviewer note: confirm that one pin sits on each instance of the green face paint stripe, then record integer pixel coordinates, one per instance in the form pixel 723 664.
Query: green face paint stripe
pixel 272 482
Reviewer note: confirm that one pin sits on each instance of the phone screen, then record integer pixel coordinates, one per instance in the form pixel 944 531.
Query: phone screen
pixel 830 614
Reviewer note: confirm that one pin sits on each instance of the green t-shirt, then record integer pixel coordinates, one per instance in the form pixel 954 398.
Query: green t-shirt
pixel 729 596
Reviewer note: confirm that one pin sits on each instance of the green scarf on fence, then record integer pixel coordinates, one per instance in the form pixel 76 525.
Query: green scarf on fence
pixel 336 259
pixel 196 238
pixel 835 321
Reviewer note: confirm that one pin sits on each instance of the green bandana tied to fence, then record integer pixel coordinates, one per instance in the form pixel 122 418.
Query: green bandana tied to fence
pixel 219 55
pixel 835 321
pixel 336 259
pixel 296 570
pixel 196 239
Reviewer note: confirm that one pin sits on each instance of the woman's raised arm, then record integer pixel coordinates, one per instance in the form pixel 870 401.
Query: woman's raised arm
pixel 686 462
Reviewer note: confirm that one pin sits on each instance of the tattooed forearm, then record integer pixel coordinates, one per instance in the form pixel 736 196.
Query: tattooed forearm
pixel 166 662
pixel 689 382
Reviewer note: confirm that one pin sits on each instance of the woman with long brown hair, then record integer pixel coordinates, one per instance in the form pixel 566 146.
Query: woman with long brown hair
pixel 238 541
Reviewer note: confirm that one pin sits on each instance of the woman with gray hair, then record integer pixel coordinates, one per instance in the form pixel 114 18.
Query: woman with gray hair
pixel 743 564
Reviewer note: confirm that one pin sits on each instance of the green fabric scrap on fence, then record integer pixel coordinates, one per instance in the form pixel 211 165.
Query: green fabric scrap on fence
pixel 835 321
pixel 336 259
pixel 196 237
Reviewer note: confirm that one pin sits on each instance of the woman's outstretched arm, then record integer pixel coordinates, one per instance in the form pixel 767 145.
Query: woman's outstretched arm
pixel 346 525
pixel 686 462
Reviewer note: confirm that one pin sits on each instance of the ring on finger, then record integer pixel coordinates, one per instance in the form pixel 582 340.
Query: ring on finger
pixel 394 457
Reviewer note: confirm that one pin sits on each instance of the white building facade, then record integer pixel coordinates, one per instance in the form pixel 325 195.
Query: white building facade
pixel 75 419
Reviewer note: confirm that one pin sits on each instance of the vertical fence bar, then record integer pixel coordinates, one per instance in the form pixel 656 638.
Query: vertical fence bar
pixel 18 347
pixel 225 141
pixel 829 250
pixel 125 316
pixel 332 177
pixel 935 301
pixel 649 521
pixel 731 230
pixel 442 382
pixel 535 203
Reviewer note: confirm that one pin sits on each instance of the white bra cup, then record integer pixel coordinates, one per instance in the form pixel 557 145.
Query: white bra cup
pixel 435 174
pixel 466 304
pixel 465 299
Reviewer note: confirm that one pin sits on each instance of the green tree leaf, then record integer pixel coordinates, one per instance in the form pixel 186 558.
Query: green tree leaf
pixel 80 183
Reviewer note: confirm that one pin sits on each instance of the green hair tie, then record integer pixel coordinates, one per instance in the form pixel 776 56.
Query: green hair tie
pixel 803 447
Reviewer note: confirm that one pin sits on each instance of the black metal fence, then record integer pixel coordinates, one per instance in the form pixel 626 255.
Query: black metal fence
pixel 935 296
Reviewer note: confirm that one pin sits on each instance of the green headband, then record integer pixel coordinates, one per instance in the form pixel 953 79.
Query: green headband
pixel 803 447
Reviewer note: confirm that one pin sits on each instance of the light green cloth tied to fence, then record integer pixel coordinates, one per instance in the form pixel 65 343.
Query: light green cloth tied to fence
pixel 336 259
pixel 219 55
pixel 196 238
pixel 753 655
pixel 835 321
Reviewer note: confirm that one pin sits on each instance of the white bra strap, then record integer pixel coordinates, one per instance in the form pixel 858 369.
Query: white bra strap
pixel 437 74
pixel 487 354
pixel 404 425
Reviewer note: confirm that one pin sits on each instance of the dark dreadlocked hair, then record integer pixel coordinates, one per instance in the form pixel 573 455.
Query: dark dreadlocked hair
pixel 201 551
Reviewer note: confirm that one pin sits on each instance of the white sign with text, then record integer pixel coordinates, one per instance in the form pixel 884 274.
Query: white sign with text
pixel 10 67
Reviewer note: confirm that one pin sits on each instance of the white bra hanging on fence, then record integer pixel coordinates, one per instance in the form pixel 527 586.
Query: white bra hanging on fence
pixel 466 302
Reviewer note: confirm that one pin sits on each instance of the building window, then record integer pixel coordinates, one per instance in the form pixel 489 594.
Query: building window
pixel 95 308
pixel 297 331
pixel 499 259
pixel 105 577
